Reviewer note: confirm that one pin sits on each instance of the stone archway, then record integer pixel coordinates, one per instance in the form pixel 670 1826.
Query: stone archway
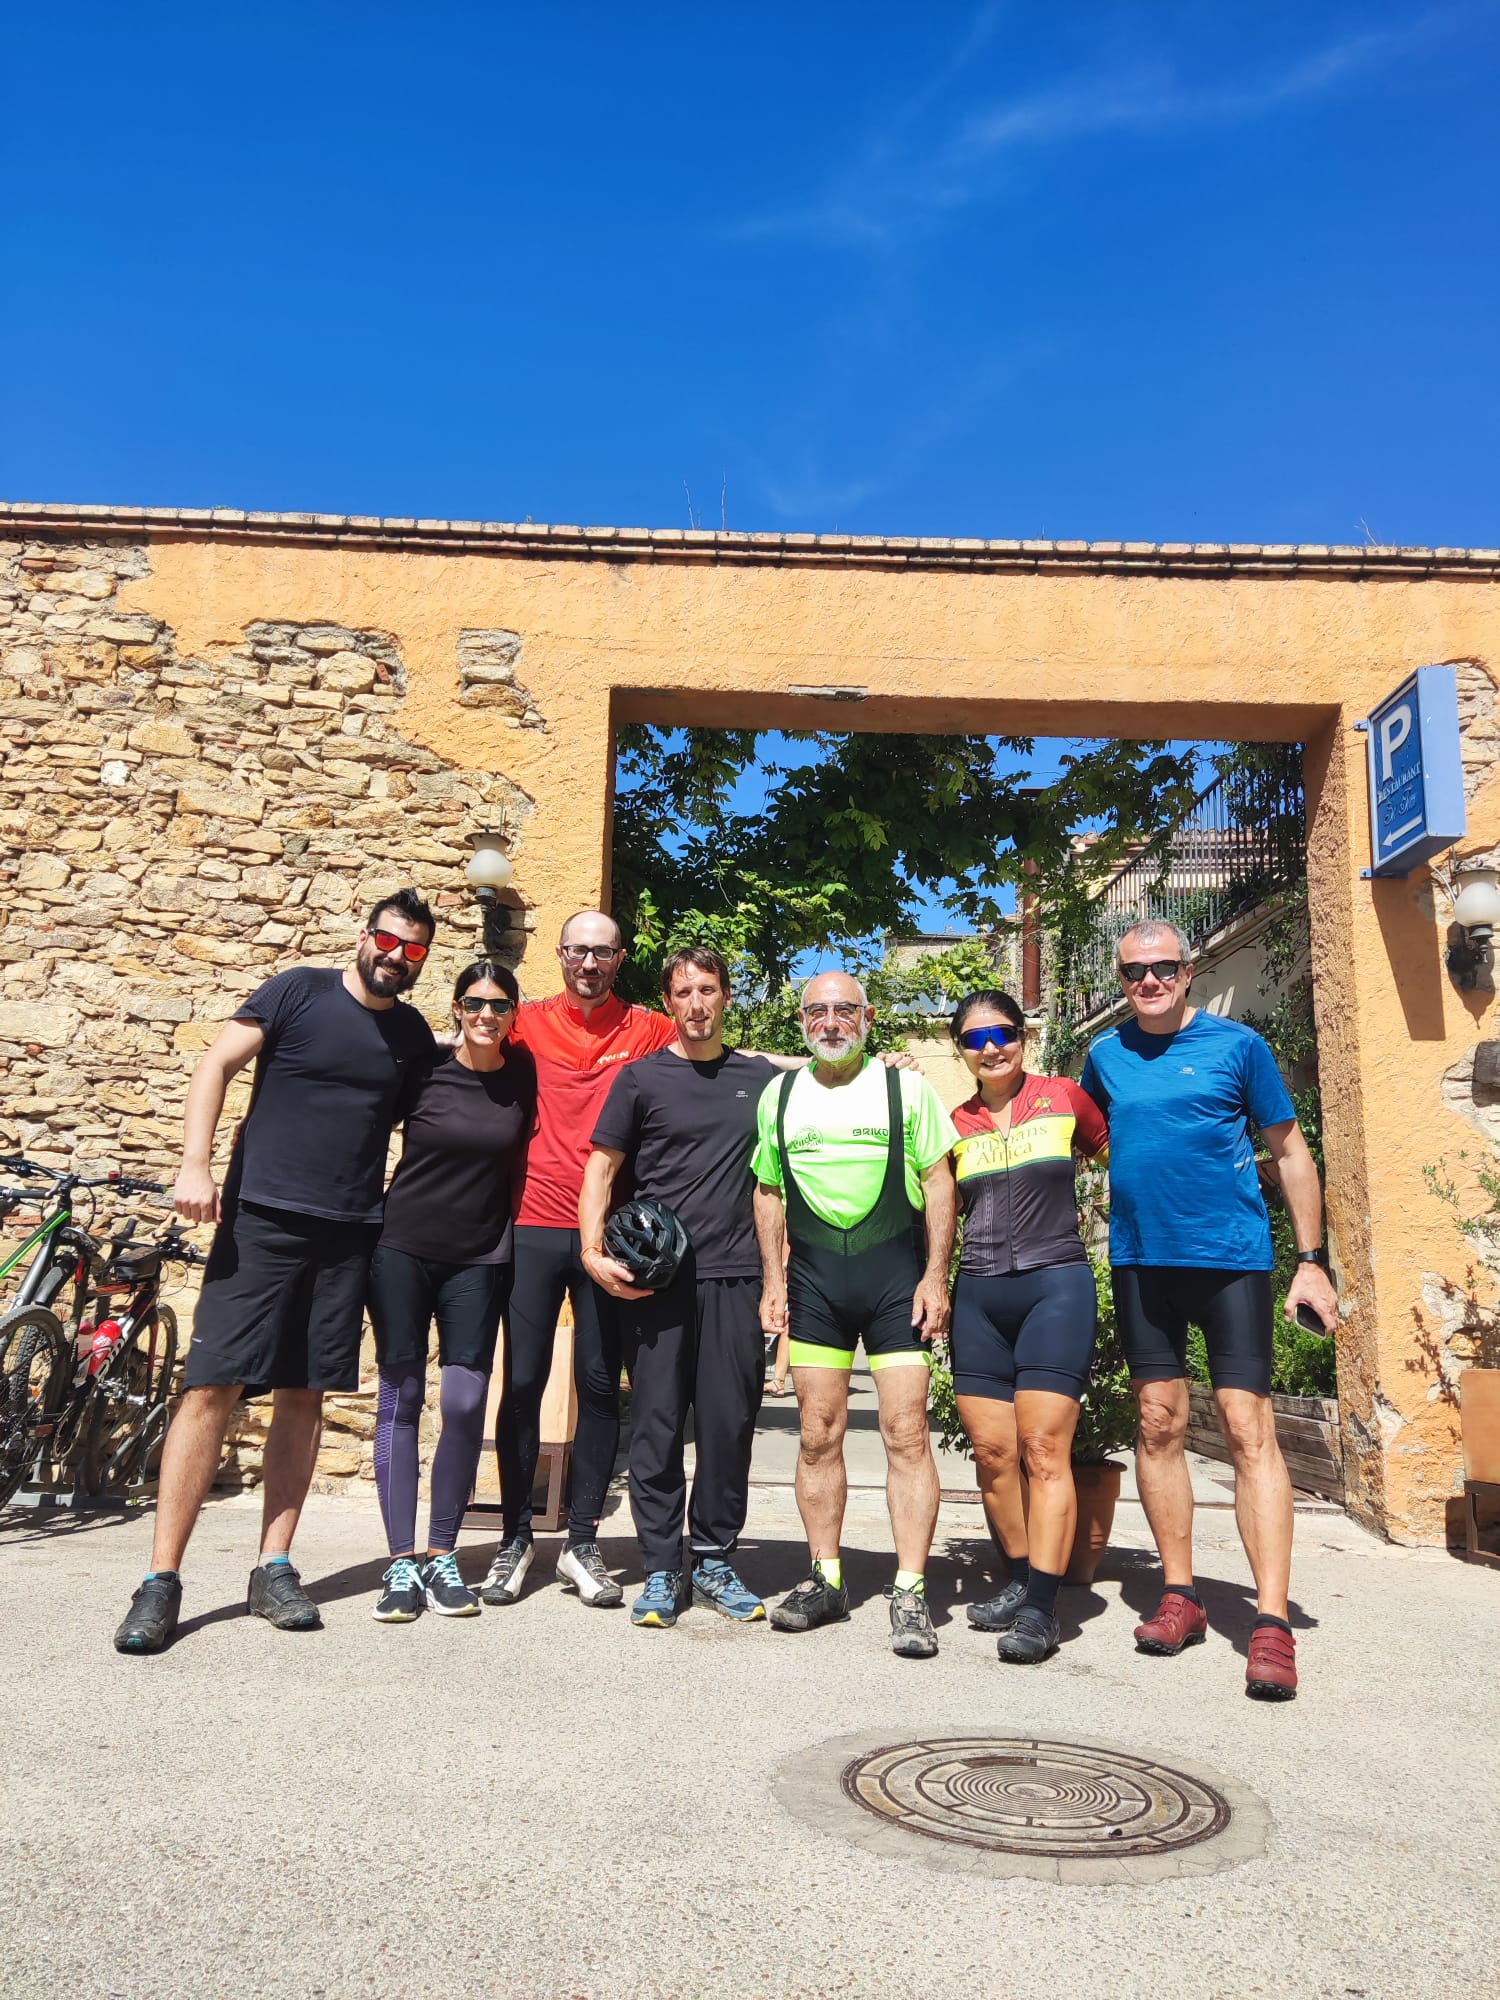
pixel 138 669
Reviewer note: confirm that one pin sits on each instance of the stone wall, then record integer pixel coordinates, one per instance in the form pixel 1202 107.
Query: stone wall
pixel 175 830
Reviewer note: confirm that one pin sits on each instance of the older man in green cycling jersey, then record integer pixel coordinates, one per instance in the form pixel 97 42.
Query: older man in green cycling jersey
pixel 853 1172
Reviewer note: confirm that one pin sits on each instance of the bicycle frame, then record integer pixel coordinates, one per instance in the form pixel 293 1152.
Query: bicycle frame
pixel 34 1289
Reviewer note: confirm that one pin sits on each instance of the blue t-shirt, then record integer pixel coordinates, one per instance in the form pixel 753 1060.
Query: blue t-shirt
pixel 1183 1188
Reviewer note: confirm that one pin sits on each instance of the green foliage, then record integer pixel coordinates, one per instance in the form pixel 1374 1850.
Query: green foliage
pixel 1474 1341
pixel 839 849
pixel 764 1016
pixel 1107 1418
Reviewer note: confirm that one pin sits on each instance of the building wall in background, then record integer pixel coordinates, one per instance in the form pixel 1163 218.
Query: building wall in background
pixel 228 732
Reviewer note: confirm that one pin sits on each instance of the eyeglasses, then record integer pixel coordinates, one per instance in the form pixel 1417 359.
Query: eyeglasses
pixel 1164 969
pixel 473 1007
pixel 975 1039
pixel 845 1011
pixel 409 949
pixel 579 954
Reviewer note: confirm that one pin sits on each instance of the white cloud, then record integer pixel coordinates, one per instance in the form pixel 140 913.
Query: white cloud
pixel 901 184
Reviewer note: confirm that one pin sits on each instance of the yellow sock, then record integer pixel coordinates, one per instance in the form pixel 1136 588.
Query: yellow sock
pixel 911 1579
pixel 831 1569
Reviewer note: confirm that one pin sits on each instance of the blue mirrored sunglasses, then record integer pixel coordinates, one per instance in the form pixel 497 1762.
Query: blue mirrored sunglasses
pixel 975 1039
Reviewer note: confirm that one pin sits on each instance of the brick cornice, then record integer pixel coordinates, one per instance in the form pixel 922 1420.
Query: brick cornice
pixel 1350 562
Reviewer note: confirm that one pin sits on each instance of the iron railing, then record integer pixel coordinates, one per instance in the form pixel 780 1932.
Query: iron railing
pixel 1242 841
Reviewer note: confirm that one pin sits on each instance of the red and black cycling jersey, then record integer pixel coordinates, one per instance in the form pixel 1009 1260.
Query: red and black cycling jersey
pixel 1019 1207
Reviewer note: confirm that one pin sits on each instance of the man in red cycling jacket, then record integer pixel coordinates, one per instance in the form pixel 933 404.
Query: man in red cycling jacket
pixel 579 1039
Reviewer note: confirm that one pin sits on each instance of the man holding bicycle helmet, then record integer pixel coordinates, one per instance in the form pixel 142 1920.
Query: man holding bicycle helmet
pixel 682 1262
pixel 338 1059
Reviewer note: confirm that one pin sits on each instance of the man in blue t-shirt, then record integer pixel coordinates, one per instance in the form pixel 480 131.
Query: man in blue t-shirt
pixel 338 1061
pixel 1190 1244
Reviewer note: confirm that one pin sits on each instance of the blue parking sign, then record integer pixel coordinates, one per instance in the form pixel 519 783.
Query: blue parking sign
pixel 1416 773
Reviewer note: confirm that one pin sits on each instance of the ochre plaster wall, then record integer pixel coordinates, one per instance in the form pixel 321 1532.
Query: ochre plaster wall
pixel 606 637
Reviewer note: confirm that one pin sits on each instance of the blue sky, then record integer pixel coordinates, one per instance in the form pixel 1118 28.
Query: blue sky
pixel 1157 270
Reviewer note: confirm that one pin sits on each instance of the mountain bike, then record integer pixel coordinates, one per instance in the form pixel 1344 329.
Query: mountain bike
pixel 36 1344
pixel 127 1400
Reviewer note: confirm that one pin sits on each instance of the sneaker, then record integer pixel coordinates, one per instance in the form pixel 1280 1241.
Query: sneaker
pixel 998 1614
pixel 582 1565
pixel 1032 1637
pixel 1271 1671
pixel 400 1601
pixel 816 1602
pixel 508 1572
pixel 447 1593
pixel 152 1617
pixel 716 1585
pixel 276 1594
pixel 1178 1622
pixel 912 1636
pixel 659 1602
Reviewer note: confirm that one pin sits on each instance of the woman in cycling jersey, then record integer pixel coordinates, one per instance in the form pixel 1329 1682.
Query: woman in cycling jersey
pixel 1024 1308
pixel 445 1254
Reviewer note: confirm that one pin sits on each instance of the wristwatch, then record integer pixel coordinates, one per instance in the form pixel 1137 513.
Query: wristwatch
pixel 1319 1257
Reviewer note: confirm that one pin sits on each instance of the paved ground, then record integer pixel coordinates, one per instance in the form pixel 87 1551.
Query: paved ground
pixel 545 1802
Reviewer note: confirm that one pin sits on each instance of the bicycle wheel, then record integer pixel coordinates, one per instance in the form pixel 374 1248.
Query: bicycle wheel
pixel 32 1374
pixel 127 1417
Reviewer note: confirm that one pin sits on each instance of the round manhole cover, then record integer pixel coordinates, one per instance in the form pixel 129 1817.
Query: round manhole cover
pixel 1059 1799
pixel 1071 1811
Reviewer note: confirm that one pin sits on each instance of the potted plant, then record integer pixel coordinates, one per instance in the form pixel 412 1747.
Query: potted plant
pixel 1466 1350
pixel 1106 1424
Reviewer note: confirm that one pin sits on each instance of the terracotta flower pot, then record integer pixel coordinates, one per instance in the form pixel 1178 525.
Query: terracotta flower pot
pixel 1479 1414
pixel 1098 1489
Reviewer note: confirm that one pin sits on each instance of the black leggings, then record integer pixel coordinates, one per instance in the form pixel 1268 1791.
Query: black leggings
pixel 547 1265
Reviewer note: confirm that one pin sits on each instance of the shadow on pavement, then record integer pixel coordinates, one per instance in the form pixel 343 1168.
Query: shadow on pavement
pixel 19 1525
pixel 1230 1606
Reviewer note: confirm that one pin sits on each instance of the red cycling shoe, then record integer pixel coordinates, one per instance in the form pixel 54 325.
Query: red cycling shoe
pixel 1271 1672
pixel 1178 1622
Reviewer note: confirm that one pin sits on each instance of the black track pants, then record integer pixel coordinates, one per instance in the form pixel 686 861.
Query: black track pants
pixel 547 1265
pixel 697 1344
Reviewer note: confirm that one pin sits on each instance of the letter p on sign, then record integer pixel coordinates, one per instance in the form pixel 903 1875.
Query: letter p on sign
pixel 1394 730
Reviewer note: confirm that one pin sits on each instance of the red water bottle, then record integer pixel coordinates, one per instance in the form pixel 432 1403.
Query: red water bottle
pixel 106 1340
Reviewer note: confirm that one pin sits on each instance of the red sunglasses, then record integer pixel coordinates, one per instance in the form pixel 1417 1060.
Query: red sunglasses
pixel 410 950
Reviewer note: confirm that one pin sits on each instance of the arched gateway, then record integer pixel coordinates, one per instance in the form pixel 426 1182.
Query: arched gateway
pixel 226 727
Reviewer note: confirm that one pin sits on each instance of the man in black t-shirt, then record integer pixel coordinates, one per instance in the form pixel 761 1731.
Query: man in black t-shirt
pixel 684 1120
pixel 338 1062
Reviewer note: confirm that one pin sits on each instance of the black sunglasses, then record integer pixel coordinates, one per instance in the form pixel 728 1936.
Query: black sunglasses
pixel 975 1039
pixel 1164 969
pixel 473 1007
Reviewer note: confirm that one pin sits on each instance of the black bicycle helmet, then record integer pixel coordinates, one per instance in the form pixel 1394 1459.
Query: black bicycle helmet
pixel 646 1237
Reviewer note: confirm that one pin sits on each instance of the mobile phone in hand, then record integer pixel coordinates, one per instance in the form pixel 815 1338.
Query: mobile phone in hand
pixel 1310 1321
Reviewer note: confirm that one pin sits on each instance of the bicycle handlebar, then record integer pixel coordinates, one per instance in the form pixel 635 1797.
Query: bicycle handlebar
pixel 121 1183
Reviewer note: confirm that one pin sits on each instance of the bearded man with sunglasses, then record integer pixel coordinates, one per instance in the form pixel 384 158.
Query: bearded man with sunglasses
pixel 852 1171
pixel 338 1061
pixel 1184 1091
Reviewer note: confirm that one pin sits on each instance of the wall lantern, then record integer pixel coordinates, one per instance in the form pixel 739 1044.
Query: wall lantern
pixel 488 872
pixel 1476 910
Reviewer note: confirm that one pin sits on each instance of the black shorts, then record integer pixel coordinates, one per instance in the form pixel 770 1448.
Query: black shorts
pixel 467 1300
pixel 1156 1303
pixel 1024 1330
pixel 835 1301
pixel 283 1302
